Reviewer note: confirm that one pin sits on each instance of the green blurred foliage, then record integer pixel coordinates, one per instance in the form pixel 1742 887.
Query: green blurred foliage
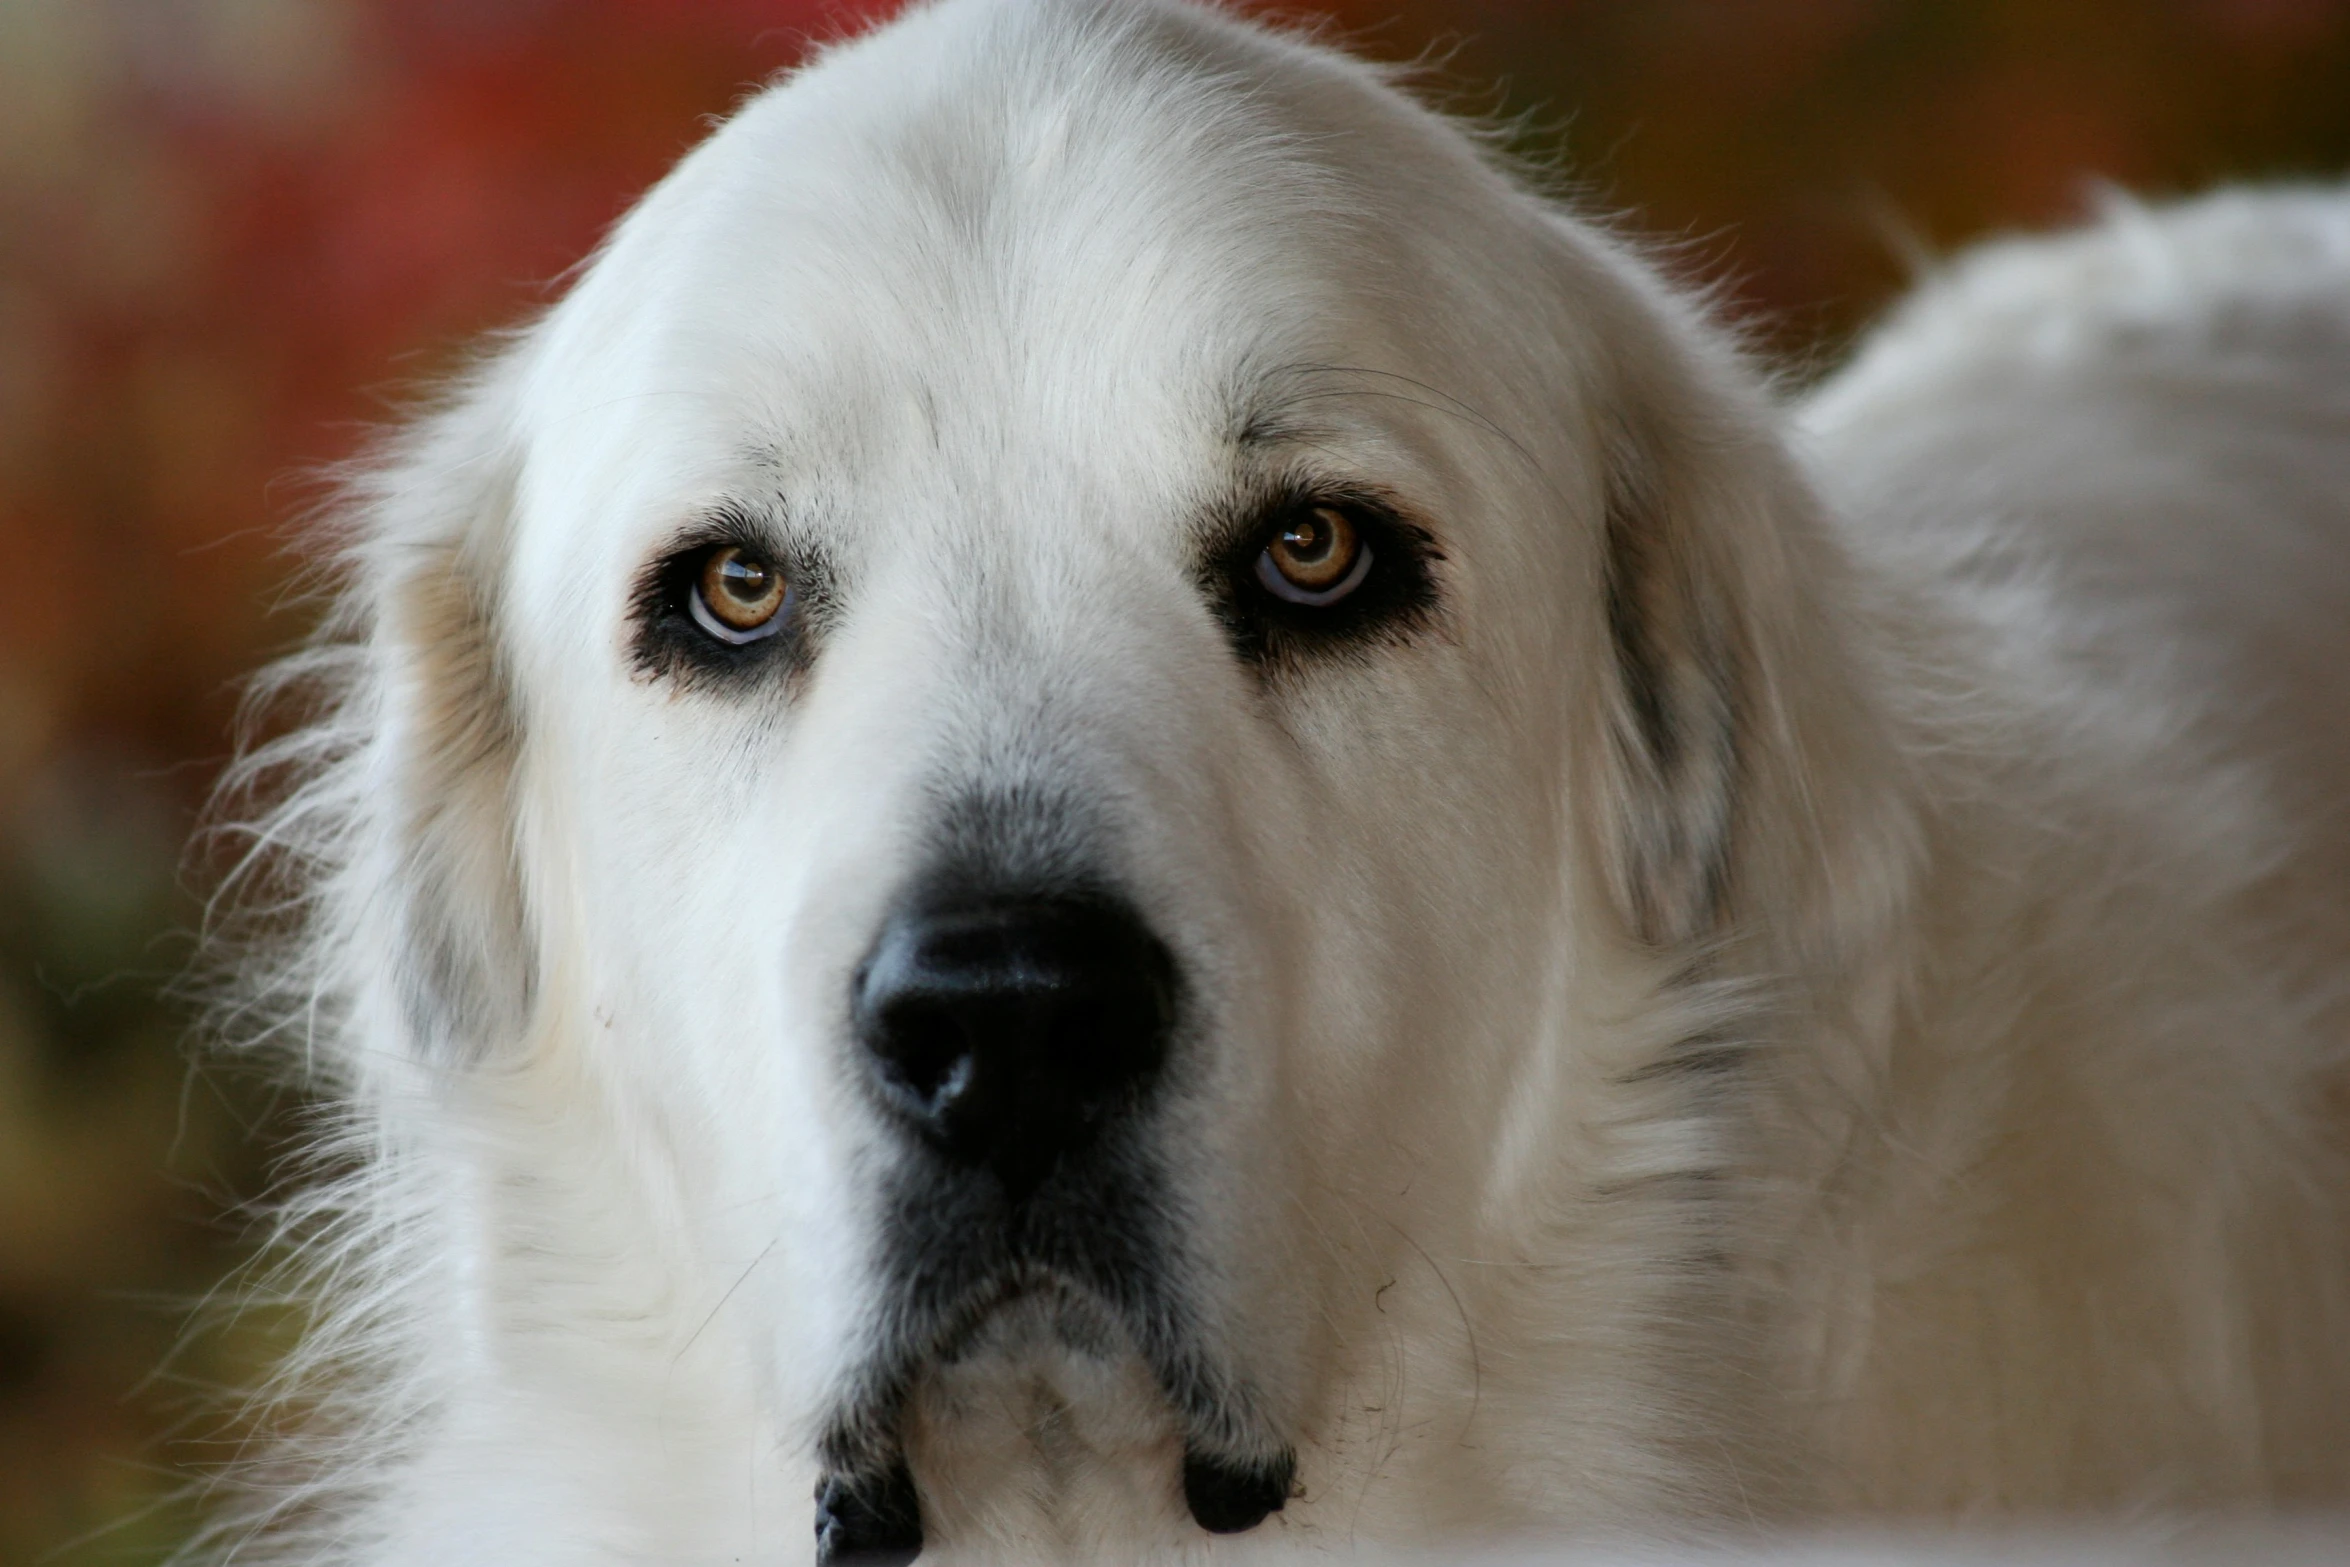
pixel 232 231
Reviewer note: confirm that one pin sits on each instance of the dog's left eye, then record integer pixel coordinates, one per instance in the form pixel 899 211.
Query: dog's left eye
pixel 1321 571
pixel 1317 556
pixel 738 597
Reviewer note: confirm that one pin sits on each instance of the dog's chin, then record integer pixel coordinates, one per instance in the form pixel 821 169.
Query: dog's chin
pixel 1043 1424
pixel 1040 1379
pixel 1039 1426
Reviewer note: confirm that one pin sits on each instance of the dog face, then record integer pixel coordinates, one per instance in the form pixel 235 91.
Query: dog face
pixel 1075 688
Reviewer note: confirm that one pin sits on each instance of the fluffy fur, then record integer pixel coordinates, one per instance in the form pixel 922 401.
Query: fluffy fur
pixel 1804 982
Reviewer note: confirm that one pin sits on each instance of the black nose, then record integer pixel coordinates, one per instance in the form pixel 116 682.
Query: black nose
pixel 1007 1030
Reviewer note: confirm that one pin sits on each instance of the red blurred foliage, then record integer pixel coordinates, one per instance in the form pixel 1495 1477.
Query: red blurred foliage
pixel 218 268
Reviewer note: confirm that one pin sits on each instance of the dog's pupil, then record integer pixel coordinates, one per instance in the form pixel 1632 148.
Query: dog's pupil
pixel 746 580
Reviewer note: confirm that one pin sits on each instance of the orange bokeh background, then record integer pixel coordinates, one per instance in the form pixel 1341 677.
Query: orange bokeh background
pixel 234 232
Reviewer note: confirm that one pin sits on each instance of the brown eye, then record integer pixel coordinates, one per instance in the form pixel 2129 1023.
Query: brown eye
pixel 1317 557
pixel 738 597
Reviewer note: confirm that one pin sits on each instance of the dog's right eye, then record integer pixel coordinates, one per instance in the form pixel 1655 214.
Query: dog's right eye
pixel 738 597
pixel 725 606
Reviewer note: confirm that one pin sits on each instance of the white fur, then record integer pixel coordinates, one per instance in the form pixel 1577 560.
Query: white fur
pixel 1912 1085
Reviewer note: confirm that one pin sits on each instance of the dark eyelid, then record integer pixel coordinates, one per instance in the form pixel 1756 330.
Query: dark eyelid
pixel 1252 514
pixel 727 525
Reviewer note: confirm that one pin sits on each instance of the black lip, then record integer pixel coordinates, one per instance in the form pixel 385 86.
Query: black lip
pixel 1231 1498
pixel 871 1520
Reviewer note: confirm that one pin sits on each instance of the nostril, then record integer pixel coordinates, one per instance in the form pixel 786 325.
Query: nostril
pixel 925 1052
pixel 1008 1030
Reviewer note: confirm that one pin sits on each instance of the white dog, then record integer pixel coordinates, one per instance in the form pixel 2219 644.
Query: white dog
pixel 1111 803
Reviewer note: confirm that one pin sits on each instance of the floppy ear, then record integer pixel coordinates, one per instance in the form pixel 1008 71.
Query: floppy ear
pixel 1742 768
pixel 1672 703
pixel 437 861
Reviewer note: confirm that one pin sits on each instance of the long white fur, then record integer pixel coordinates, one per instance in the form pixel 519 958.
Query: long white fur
pixel 1916 1090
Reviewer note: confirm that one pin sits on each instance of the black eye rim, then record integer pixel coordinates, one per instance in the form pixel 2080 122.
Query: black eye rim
pixel 675 636
pixel 1392 595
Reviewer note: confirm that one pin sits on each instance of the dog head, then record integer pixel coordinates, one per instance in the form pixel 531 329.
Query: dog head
pixel 1086 700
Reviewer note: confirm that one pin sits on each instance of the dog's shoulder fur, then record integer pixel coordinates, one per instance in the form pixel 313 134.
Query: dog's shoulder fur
pixel 2105 1168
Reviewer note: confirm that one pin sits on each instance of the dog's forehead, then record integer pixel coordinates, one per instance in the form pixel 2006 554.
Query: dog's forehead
pixel 897 265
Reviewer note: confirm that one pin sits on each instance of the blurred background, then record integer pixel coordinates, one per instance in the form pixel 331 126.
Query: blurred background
pixel 234 232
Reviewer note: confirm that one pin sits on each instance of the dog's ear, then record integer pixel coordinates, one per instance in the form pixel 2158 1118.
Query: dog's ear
pixel 438 859
pixel 1672 703
pixel 1734 724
